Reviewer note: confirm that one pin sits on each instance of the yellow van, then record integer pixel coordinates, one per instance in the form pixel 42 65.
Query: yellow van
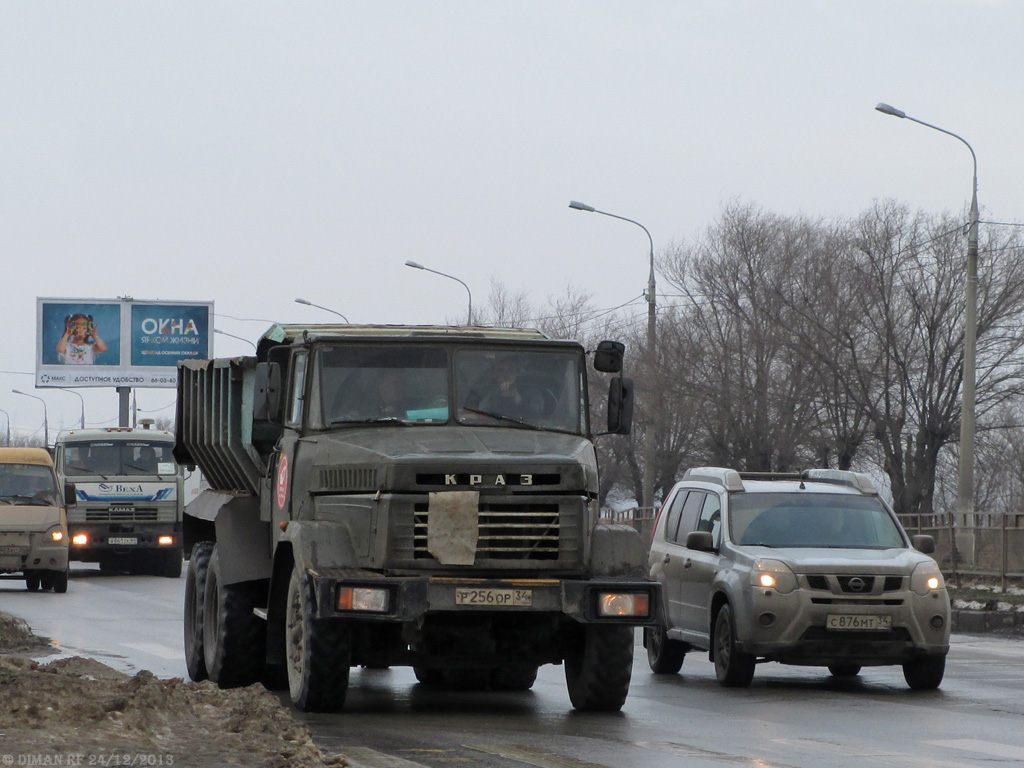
pixel 33 519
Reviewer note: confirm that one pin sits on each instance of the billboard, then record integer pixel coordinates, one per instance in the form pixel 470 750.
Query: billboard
pixel 118 342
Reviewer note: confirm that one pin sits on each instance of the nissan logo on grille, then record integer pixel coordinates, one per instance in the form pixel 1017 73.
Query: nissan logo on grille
pixel 856 584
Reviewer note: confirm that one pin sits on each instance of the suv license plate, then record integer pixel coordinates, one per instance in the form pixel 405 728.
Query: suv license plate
pixel 123 540
pixel 857 621
pixel 516 597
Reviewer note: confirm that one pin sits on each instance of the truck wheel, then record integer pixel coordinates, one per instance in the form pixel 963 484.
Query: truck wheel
pixel 60 581
pixel 514 677
pixel 234 638
pixel 664 655
pixel 925 674
pixel 598 670
pixel 466 679
pixel 46 580
pixel 429 676
pixel 844 670
pixel 31 581
pixel 195 588
pixel 172 564
pixel 317 651
pixel 733 667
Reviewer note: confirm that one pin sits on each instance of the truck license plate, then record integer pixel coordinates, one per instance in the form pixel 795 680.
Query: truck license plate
pixel 497 597
pixel 123 540
pixel 857 621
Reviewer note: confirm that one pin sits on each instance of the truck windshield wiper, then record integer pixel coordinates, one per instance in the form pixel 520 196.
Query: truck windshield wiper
pixel 503 417
pixel 375 420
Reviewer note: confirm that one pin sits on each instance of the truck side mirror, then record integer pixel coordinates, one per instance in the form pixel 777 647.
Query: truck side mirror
pixel 608 356
pixel 70 495
pixel 620 406
pixel 266 403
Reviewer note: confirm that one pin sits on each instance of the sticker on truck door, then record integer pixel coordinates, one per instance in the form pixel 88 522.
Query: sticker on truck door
pixel 282 482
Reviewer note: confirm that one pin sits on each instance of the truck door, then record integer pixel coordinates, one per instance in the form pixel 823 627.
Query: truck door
pixel 283 467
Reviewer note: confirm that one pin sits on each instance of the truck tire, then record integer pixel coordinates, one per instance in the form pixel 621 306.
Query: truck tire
pixel 664 655
pixel 733 667
pixel 429 676
pixel 598 669
pixel 60 581
pixel 171 564
pixel 234 638
pixel 925 674
pixel 195 589
pixel 317 651
pixel 514 677
pixel 31 580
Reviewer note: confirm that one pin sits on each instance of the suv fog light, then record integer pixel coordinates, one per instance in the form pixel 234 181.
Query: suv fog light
pixel 937 622
pixel 766 619
pixel 623 604
pixel 80 539
pixel 362 599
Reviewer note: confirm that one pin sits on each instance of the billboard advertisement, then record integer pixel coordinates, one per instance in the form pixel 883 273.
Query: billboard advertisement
pixel 118 342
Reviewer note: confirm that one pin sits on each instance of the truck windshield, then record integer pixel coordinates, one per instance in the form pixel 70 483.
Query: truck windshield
pixel 110 458
pixel 28 484
pixel 411 384
pixel 812 520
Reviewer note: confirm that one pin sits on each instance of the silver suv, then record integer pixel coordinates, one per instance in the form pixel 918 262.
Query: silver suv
pixel 810 568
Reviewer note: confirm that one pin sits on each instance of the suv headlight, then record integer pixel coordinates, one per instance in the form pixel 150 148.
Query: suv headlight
pixel 927 578
pixel 773 574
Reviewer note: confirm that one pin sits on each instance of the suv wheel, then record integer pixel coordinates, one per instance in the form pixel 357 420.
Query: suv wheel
pixel 733 667
pixel 664 655
pixel 924 674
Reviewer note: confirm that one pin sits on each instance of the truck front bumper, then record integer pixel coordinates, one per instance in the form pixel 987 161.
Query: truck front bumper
pixel 407 599
pixel 105 539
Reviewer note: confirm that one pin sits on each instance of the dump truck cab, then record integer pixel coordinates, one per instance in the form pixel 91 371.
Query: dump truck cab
pixel 427 496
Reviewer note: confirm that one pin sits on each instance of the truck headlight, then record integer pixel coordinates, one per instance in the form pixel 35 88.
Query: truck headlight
pixel 927 578
pixel 165 541
pixel 623 604
pixel 80 539
pixel 773 574
pixel 372 599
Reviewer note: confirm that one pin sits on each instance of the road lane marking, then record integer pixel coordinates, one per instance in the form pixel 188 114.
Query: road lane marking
pixel 993 748
pixel 541 758
pixel 364 757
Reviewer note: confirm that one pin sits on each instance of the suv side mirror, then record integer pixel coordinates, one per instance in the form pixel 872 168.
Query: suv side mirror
pixel 266 404
pixel 608 356
pixel 70 495
pixel 620 406
pixel 701 541
pixel 923 543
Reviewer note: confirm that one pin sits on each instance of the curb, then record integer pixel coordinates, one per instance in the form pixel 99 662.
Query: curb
pixel 963 620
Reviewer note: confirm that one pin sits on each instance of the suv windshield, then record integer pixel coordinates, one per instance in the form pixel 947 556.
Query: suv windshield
pixel 28 484
pixel 110 458
pixel 411 384
pixel 807 519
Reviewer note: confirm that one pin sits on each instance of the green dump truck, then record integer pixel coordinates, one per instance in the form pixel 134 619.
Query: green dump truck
pixel 419 496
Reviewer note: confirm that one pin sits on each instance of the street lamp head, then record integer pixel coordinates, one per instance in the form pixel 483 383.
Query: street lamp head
pixel 576 205
pixel 302 301
pixel 887 110
pixel 414 264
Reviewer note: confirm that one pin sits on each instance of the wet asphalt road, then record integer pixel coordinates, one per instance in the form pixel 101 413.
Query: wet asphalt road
pixel 790 717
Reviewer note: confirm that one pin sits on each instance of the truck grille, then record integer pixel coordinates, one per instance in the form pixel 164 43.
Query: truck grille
pixel 126 515
pixel 506 532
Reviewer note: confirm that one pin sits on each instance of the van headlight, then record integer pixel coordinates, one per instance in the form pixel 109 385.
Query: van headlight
pixel 927 578
pixel 55 533
pixel 773 574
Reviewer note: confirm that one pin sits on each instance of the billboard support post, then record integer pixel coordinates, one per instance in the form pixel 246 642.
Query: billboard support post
pixel 123 401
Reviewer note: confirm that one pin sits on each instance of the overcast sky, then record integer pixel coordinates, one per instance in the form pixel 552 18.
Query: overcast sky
pixel 249 153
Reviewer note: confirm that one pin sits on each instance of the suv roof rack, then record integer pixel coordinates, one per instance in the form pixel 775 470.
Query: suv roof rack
pixel 732 480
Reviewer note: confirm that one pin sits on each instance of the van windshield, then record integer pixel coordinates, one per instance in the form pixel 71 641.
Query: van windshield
pixel 110 458
pixel 812 520
pixel 28 484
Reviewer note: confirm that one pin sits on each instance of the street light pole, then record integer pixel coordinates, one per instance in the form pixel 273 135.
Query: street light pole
pixel 5 413
pixel 965 478
pixel 652 327
pixel 417 265
pixel 240 338
pixel 325 309
pixel 79 395
pixel 46 419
